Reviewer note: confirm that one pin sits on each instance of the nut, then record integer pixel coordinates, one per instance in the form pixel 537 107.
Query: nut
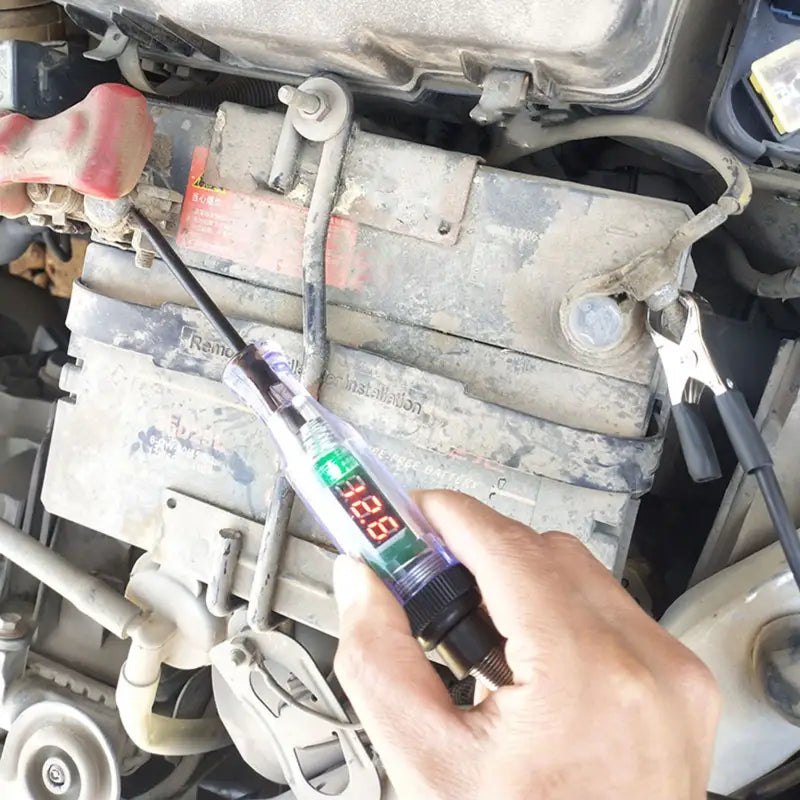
pixel 11 626
pixel 325 108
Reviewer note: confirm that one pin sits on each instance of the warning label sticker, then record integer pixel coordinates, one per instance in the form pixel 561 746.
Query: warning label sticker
pixel 261 230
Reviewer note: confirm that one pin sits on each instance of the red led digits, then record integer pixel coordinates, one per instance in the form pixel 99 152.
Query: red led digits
pixel 382 529
pixel 353 487
pixel 364 502
pixel 363 508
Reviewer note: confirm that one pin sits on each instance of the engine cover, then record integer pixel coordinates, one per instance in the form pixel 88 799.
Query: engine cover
pixel 607 52
pixel 445 279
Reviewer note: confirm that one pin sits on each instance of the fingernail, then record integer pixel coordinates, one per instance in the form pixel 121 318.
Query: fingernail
pixel 347 582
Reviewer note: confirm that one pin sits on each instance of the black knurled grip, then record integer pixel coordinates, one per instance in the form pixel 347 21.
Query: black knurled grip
pixel 441 603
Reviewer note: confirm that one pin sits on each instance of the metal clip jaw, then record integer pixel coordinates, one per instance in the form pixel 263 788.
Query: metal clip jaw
pixel 688 367
pixel 687 363
pixel 688 359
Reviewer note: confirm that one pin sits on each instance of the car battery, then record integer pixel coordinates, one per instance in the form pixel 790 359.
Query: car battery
pixel 445 279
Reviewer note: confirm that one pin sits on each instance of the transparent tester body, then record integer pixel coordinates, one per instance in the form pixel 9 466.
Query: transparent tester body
pixel 331 468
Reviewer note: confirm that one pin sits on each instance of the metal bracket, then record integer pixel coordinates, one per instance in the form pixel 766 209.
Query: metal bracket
pixel 112 44
pixel 504 92
pixel 130 66
pixel 295 734
pixel 302 589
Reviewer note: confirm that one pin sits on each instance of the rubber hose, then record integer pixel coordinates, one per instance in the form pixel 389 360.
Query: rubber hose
pixel 59 244
pixel 783 285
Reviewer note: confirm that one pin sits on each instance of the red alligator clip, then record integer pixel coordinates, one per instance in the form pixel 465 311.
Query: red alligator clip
pixel 99 147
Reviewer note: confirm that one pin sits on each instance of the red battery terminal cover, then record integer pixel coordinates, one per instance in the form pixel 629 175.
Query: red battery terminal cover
pixel 99 148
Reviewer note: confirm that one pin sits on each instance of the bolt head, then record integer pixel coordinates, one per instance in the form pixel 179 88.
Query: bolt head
pixel 238 656
pixel 56 776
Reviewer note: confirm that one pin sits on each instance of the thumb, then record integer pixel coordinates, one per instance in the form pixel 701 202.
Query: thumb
pixel 394 689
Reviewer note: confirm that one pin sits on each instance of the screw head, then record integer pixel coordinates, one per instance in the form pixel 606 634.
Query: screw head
pixel 56 775
pixel 238 656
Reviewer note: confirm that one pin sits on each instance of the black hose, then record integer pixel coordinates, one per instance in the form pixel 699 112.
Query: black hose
pixel 193 288
pixel 783 285
pixel 781 519
pixel 755 459
pixel 59 244
pixel 232 89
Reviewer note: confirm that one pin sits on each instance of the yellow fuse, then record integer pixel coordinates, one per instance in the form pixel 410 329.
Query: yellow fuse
pixel 776 77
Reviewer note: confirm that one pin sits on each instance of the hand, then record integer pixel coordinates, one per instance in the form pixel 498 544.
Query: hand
pixel 606 704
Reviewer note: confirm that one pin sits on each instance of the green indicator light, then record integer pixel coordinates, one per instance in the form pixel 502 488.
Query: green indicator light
pixel 335 466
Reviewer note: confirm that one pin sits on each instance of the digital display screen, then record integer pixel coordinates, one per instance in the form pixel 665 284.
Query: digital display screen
pixel 359 496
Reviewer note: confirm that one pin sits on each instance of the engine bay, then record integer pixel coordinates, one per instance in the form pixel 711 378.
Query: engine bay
pixel 459 232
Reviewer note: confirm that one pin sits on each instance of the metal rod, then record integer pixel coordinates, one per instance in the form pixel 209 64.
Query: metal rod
pixel 270 555
pixel 315 240
pixel 315 360
pixel 193 288
pixel 87 593
pixel 284 164
pixel 224 558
